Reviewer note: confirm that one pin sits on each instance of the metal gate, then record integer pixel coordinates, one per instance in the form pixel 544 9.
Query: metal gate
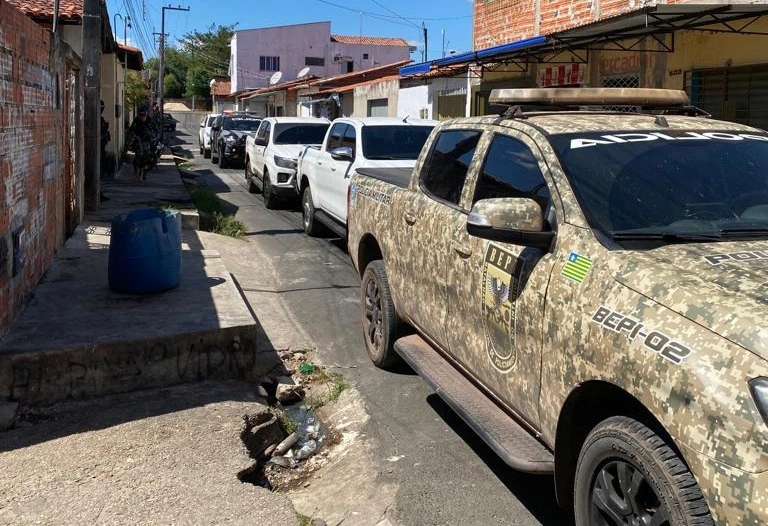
pixel 738 94
pixel 451 106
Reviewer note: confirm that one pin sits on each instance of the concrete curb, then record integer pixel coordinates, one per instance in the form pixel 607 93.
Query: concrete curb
pixel 47 377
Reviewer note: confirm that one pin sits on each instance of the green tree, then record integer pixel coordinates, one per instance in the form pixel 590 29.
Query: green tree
pixel 136 91
pixel 208 52
pixel 172 87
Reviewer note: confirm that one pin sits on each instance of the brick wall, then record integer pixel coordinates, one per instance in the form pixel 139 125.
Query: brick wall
pixel 38 182
pixel 502 21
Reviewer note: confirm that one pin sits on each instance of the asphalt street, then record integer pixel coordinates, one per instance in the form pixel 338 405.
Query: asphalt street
pixel 443 474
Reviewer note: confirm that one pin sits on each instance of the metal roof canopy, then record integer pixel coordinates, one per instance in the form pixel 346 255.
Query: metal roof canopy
pixel 652 22
pixel 656 21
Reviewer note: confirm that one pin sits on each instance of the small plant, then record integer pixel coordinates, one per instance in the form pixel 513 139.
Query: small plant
pixel 336 385
pixel 206 201
pixel 304 520
pixel 227 226
pixel 286 423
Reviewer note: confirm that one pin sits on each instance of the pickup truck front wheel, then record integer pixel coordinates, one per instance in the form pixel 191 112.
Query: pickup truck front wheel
pixel 627 474
pixel 311 227
pixel 381 324
pixel 270 201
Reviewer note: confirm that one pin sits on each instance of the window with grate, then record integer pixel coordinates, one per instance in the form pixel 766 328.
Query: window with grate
pixel 621 81
pixel 738 94
pixel 269 63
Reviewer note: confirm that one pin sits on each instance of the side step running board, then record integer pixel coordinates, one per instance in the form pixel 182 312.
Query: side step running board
pixel 335 227
pixel 516 446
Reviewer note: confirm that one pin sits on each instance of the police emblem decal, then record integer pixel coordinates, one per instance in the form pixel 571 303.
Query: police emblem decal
pixel 499 287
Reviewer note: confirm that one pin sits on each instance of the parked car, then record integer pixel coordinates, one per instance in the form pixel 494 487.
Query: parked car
pixel 228 135
pixel 204 134
pixel 169 123
pixel 272 154
pixel 349 144
pixel 586 289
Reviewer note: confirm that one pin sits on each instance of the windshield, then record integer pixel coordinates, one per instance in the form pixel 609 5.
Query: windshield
pixel 394 142
pixel 209 123
pixel 670 186
pixel 241 123
pixel 300 133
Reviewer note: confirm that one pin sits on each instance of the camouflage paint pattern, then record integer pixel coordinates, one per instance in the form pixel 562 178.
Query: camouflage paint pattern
pixel 675 292
pixel 525 214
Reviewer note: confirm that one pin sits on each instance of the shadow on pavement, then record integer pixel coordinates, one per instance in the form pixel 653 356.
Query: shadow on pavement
pixel 535 492
pixel 81 416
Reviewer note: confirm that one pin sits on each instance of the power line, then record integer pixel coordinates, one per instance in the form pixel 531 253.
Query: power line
pixel 397 15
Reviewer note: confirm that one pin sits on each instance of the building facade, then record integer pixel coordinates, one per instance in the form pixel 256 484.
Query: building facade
pixel 41 157
pixel 715 50
pixel 275 54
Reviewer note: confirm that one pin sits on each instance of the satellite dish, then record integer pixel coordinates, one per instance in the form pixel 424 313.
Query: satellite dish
pixel 275 78
pixel 302 73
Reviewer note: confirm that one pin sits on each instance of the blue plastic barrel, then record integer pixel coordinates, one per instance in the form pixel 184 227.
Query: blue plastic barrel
pixel 145 251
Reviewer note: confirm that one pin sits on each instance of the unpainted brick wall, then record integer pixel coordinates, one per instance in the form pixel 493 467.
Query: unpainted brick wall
pixel 503 21
pixel 33 71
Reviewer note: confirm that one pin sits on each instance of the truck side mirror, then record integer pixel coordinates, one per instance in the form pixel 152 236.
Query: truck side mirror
pixel 343 153
pixel 517 220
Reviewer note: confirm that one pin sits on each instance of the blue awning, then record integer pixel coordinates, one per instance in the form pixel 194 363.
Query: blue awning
pixel 474 56
pixel 415 69
pixel 491 52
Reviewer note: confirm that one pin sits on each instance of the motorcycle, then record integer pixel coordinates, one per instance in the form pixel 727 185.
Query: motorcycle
pixel 147 152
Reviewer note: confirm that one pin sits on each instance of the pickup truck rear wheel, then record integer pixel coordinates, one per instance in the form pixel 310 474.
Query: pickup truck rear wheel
pixel 628 475
pixel 311 227
pixel 381 324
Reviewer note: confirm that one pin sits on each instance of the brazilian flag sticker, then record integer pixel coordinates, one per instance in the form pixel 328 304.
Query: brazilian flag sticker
pixel 577 267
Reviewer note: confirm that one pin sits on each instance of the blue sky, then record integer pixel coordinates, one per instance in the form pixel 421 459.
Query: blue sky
pixel 385 18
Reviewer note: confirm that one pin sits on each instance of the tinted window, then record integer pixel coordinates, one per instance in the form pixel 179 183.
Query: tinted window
pixel 263 131
pixel 446 169
pixel 241 123
pixel 300 133
pixel 670 182
pixel 210 120
pixel 394 142
pixel 511 170
pixel 334 141
pixel 349 139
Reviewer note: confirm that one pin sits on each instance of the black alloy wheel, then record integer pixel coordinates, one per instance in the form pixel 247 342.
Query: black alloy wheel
pixel 270 201
pixel 627 475
pixel 311 227
pixel 381 324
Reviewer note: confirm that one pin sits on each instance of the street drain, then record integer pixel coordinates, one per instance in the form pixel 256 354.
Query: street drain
pixel 255 475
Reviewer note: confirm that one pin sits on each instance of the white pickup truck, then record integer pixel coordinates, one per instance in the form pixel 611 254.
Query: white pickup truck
pixel 351 143
pixel 271 154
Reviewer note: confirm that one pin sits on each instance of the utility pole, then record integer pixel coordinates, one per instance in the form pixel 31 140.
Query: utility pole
pixel 160 86
pixel 426 53
pixel 92 46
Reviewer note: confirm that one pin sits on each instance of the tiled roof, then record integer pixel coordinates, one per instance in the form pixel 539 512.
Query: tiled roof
pixel 221 88
pixel 369 41
pixel 69 10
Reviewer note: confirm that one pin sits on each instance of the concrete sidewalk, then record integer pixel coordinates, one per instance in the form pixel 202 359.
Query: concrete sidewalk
pixel 77 337
pixel 166 380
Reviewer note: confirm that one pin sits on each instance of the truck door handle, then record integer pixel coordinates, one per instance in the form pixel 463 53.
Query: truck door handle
pixel 319 162
pixel 409 217
pixel 462 250
pixel 333 168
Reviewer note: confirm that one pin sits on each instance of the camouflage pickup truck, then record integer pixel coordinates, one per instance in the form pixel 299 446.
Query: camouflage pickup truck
pixel 587 290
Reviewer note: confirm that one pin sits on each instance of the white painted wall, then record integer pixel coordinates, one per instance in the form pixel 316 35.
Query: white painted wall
pixel 412 101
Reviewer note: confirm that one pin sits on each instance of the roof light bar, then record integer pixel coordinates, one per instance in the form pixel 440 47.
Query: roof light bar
pixel 591 97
